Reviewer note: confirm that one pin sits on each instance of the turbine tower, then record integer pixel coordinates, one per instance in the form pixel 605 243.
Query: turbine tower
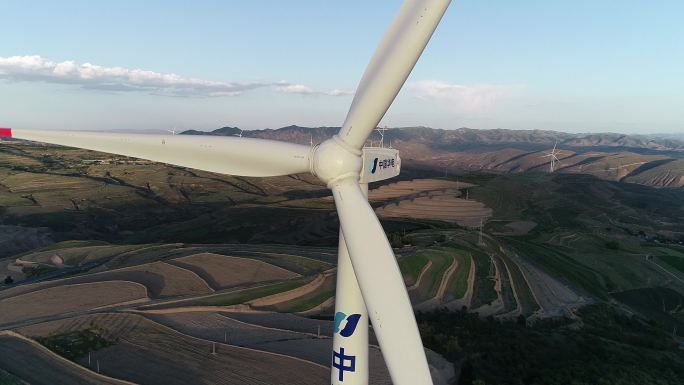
pixel 370 286
pixel 554 158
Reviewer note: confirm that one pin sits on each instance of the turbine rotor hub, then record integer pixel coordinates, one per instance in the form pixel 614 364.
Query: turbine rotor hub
pixel 334 160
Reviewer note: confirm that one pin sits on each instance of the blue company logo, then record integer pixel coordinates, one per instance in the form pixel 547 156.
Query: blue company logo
pixel 374 166
pixel 339 360
pixel 377 163
pixel 350 325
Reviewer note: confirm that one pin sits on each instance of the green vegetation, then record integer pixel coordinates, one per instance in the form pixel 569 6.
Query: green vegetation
pixel 398 240
pixel 411 266
pixel 611 348
pixel 663 305
pixel 37 271
pixel 672 258
pixel 429 284
pixel 242 296
pixel 9 379
pixel 458 285
pixel 563 265
pixel 310 300
pixel 483 292
pixel 77 344
pixel 613 245
pixel 524 294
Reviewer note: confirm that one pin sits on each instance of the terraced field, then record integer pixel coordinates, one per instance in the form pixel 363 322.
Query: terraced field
pixel 458 284
pixel 432 278
pixel 80 254
pixel 161 280
pixel 245 295
pixel 222 271
pixel 315 301
pixel 483 290
pixel 69 298
pixel 34 364
pixel 275 335
pixel 523 294
pixel 412 266
pixel 150 353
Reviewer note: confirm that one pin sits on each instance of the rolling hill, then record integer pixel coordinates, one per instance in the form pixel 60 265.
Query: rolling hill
pixel 653 161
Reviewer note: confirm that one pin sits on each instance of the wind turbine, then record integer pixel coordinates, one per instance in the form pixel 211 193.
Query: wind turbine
pixel 369 285
pixel 240 134
pixel 553 156
pixel 381 131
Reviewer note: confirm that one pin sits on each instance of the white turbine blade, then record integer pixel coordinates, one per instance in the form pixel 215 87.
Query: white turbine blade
pixel 391 64
pixel 382 286
pixel 221 154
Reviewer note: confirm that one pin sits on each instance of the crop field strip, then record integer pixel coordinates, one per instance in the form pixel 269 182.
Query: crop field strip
pixel 412 266
pixel 69 298
pixel 483 290
pixel 309 300
pixel 429 284
pixel 445 208
pixel 458 284
pixel 523 293
pixel 416 186
pixel 222 271
pixel 161 280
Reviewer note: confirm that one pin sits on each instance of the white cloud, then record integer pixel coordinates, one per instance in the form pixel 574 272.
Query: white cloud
pixel 462 98
pixel 304 90
pixel 91 76
pixel 295 89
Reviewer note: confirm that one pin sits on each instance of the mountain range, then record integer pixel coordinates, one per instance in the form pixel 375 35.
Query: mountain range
pixel 648 160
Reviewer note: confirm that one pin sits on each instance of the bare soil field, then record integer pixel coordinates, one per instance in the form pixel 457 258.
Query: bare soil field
pixel 69 298
pixel 218 327
pixel 443 207
pixel 161 280
pixel 415 186
pixel 36 365
pixel 222 271
pixel 150 353
pixel 287 321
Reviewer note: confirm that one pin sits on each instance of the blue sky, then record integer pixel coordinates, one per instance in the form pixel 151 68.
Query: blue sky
pixel 577 66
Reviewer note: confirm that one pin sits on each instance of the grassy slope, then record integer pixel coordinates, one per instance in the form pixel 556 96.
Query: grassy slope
pixel 411 266
pixel 524 294
pixel 458 284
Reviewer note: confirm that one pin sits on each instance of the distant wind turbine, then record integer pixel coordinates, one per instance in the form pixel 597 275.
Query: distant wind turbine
pixel 240 134
pixel 382 135
pixel 553 156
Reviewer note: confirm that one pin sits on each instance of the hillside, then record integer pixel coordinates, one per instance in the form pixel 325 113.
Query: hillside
pixel 653 161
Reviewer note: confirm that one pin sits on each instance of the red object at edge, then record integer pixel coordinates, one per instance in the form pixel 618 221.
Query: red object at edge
pixel 5 132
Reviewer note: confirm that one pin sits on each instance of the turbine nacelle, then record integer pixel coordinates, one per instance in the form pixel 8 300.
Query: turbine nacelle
pixel 334 160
